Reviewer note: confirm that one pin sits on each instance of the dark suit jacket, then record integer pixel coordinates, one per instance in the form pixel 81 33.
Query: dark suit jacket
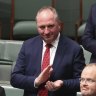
pixel 67 66
pixel 2 91
pixel 89 37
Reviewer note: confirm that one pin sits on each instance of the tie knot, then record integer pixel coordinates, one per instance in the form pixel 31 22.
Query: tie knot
pixel 48 45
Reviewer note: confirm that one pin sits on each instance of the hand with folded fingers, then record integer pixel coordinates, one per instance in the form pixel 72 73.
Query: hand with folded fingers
pixel 53 86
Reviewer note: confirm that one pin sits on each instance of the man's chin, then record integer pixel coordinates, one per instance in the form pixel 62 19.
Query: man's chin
pixel 48 41
pixel 85 93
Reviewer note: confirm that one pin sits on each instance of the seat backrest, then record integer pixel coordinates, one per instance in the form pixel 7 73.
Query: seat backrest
pixel 85 7
pixel 5 72
pixel 2 48
pixel 11 91
pixel 9 50
pixel 25 10
pixel 24 30
pixel 12 49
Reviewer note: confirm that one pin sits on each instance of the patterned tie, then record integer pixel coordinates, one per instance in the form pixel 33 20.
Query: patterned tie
pixel 46 61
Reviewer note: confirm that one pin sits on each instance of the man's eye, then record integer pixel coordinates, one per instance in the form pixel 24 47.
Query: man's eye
pixel 42 27
pixel 50 26
pixel 90 80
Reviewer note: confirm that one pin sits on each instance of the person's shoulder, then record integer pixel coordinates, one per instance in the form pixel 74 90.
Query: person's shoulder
pixel 32 40
pixel 70 41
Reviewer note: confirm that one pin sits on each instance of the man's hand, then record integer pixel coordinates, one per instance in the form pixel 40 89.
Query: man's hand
pixel 53 86
pixel 44 75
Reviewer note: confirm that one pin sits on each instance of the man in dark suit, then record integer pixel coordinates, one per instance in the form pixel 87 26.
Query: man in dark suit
pixel 2 91
pixel 61 76
pixel 89 37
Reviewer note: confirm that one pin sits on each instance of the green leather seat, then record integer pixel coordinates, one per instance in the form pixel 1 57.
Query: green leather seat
pixel 24 30
pixel 5 70
pixel 9 50
pixel 11 91
pixel 23 24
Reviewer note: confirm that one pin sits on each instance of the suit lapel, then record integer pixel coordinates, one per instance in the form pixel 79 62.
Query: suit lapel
pixel 59 54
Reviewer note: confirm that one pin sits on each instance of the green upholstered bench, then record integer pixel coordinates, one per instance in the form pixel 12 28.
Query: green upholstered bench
pixel 24 30
pixel 11 91
pixel 9 50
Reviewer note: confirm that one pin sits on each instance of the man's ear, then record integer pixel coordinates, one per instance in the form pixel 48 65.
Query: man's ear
pixel 61 26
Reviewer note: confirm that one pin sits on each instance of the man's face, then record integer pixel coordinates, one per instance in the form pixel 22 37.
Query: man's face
pixel 88 82
pixel 48 26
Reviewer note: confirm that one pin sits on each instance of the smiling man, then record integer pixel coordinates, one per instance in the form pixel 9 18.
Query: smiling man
pixel 64 60
pixel 88 80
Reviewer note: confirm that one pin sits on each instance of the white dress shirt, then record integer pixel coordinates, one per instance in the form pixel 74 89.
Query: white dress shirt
pixel 52 49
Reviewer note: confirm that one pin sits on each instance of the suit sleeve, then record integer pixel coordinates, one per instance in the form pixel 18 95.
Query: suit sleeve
pixel 19 78
pixel 89 37
pixel 73 84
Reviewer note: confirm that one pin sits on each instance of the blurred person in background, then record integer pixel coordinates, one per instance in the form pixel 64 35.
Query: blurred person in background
pixel 89 37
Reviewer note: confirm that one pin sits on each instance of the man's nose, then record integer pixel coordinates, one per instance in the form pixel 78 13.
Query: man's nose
pixel 46 30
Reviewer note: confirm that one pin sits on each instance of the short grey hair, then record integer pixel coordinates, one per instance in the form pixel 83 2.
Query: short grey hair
pixel 53 10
